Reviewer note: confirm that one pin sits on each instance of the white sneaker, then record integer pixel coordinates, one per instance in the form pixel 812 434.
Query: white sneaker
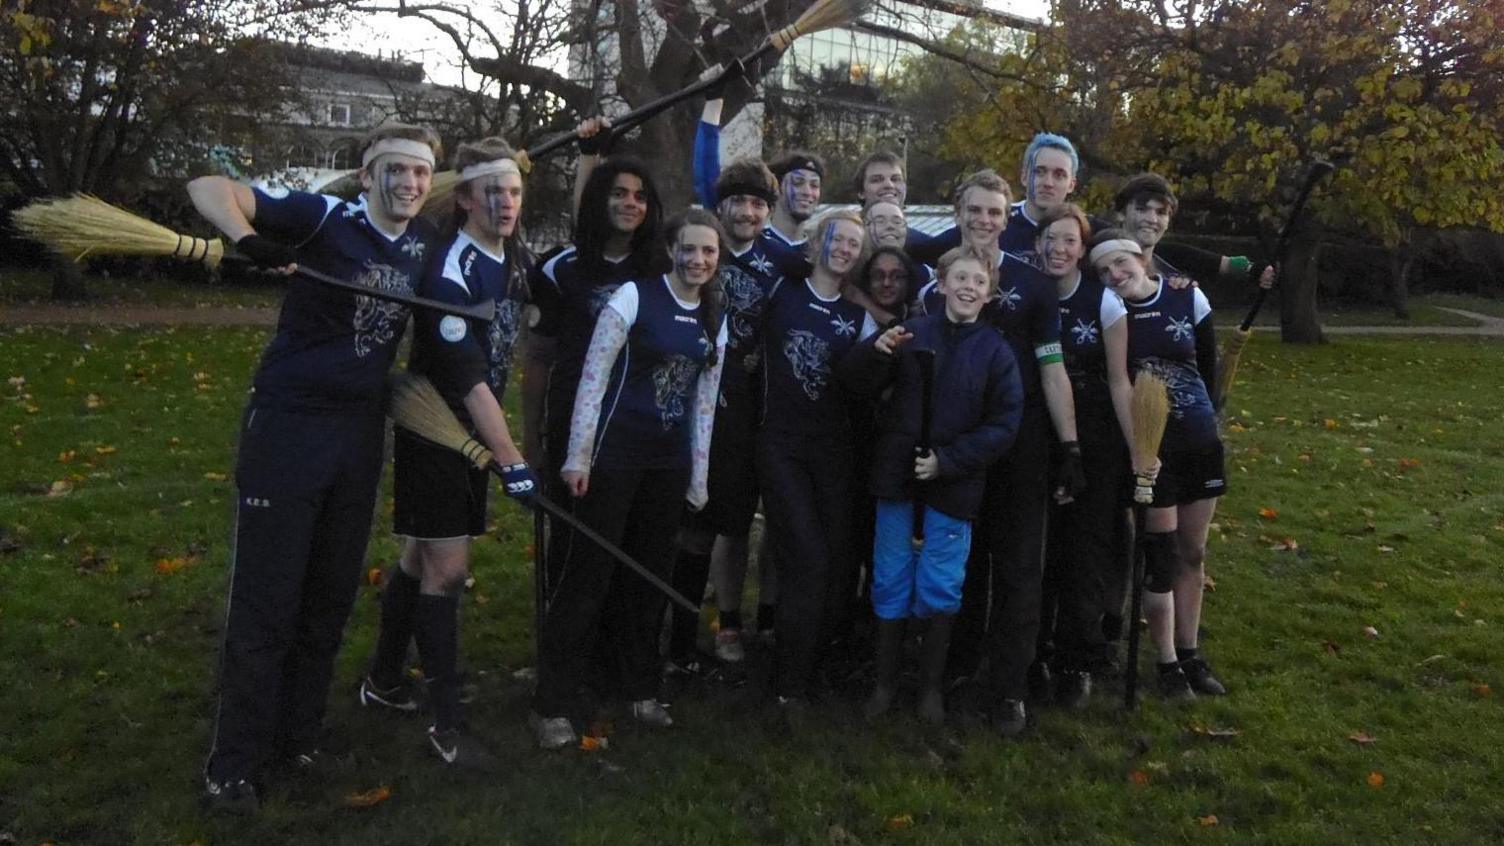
pixel 728 646
pixel 651 712
pixel 552 732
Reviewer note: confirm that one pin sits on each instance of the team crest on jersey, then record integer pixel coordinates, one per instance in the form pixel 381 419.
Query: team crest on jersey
pixel 809 357
pixel 845 328
pixel 1179 328
pixel 413 247
pixel 378 322
pixel 744 301
pixel 761 263
pixel 1010 298
pixel 1085 332
pixel 452 328
pixel 502 335
pixel 1179 382
pixel 671 381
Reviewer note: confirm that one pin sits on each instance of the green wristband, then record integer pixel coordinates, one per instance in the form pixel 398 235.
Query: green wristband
pixel 1238 266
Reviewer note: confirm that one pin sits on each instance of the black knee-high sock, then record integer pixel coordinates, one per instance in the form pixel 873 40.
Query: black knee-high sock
pixel 766 612
pixel 691 571
pixel 397 603
pixel 437 631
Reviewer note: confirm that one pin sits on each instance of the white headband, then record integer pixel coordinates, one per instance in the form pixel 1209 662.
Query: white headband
pixel 1124 244
pixel 401 146
pixel 480 169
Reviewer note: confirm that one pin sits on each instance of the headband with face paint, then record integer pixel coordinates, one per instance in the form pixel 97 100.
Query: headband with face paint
pixel 1125 244
pixel 401 146
pixel 798 163
pixel 480 169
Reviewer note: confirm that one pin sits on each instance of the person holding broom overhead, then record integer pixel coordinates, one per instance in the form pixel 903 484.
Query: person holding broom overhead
pixel 440 495
pixel 1170 335
pixel 639 447
pixel 310 447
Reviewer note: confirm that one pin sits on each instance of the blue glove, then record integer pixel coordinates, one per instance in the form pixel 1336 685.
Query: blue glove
pixel 519 482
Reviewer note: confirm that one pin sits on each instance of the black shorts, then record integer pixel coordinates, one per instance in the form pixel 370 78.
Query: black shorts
pixel 1185 477
pixel 439 494
pixel 732 481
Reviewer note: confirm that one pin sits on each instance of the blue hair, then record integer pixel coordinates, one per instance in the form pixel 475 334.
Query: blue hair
pixel 1047 141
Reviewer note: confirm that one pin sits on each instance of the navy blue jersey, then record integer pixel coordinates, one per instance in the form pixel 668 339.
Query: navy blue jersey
pixel 1019 235
pixel 457 354
pixel 1085 314
pixel 1025 307
pixel 648 408
pixel 1162 339
pixel 788 257
pixel 804 337
pixel 332 349
pixel 568 305
pixel 748 279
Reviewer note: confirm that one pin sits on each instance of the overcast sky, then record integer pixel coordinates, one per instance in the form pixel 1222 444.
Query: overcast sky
pixel 417 41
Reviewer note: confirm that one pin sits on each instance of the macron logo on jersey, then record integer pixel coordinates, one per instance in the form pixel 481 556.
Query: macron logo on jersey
pixel 819 308
pixel 679 318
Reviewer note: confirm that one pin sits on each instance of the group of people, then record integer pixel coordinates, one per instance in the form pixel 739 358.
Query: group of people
pixel 935 427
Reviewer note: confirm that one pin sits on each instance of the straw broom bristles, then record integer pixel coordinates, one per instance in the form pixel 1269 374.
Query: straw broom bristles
pixel 1150 413
pixel 417 407
pixel 82 224
pixel 824 14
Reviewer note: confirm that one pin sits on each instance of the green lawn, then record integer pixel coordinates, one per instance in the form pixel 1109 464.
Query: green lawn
pixel 1424 311
pixel 34 287
pixel 1378 462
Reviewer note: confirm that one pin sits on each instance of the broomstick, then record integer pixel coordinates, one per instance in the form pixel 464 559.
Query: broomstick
pixel 1150 411
pixel 925 358
pixel 1227 364
pixel 84 225
pixel 417 407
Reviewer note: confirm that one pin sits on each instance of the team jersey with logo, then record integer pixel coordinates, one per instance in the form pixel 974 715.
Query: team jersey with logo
pixel 749 279
pixel 1016 238
pixel 646 413
pixel 804 336
pixel 1025 307
pixel 455 353
pixel 1162 340
pixel 332 348
pixel 788 257
pixel 568 304
pixel 1085 314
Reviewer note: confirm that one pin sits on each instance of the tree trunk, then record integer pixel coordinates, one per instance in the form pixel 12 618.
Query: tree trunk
pixel 67 281
pixel 1298 320
pixel 666 144
pixel 1401 261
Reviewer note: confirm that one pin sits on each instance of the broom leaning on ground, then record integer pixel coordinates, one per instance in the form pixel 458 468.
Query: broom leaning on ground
pixel 83 225
pixel 417 406
pixel 1150 412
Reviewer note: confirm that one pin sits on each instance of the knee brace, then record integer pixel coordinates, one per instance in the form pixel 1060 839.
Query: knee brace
pixel 1161 562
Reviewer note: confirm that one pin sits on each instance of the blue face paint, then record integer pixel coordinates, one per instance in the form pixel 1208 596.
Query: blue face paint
pixel 388 193
pixel 788 192
pixel 825 247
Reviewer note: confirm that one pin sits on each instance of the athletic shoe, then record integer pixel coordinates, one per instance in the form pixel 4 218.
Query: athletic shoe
pixel 236 796
pixel 1073 689
pixel 552 732
pixel 1009 718
pixel 1174 685
pixel 728 646
pixel 461 749
pixel 308 762
pixel 1201 678
pixel 651 712
pixel 398 697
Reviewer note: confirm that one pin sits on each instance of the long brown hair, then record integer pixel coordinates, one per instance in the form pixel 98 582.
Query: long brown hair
pixel 712 294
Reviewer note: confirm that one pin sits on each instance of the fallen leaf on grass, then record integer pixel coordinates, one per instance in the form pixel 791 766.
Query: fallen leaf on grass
pixel 373 576
pixel 168 566
pixel 1331 647
pixel 1207 821
pixel 368 798
pixel 93 402
pixel 898 823
pixel 1329 424
pixel 1385 548
pixel 1268 513
pixel 62 487
pixel 1286 545
pixel 1139 778
pixel 66 456
pixel 1409 463
pixel 591 743
pixel 1376 779
pixel 1482 690
pixel 1370 632
pixel 215 477
pixel 1215 733
pixel 1362 738
pixel 104 450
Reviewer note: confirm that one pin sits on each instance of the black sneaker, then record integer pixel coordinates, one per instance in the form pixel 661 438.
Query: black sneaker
pixel 1009 718
pixel 1200 676
pixel 1174 686
pixel 399 697
pixel 236 796
pixel 461 750
pixel 1073 689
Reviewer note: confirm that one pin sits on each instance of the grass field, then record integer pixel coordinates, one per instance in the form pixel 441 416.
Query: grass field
pixel 1366 493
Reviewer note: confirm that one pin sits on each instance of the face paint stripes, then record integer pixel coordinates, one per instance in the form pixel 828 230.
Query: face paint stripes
pixel 388 192
pixel 493 190
pixel 825 247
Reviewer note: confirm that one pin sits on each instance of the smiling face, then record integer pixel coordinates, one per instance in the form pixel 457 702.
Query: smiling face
pixel 396 186
pixel 1123 272
pixel 695 254
pixel 492 204
pixel 1050 180
pixel 801 193
pixel 842 246
pixel 1060 247
pixel 1147 219
pixel 981 216
pixel 966 287
pixel 627 204
pixel 888 281
pixel 743 216
pixel 883 182
pixel 886 225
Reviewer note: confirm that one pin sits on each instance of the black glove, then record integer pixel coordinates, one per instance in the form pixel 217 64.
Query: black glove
pixel 733 72
pixel 1256 271
pixel 1067 477
pixel 266 253
pixel 519 482
pixel 598 144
